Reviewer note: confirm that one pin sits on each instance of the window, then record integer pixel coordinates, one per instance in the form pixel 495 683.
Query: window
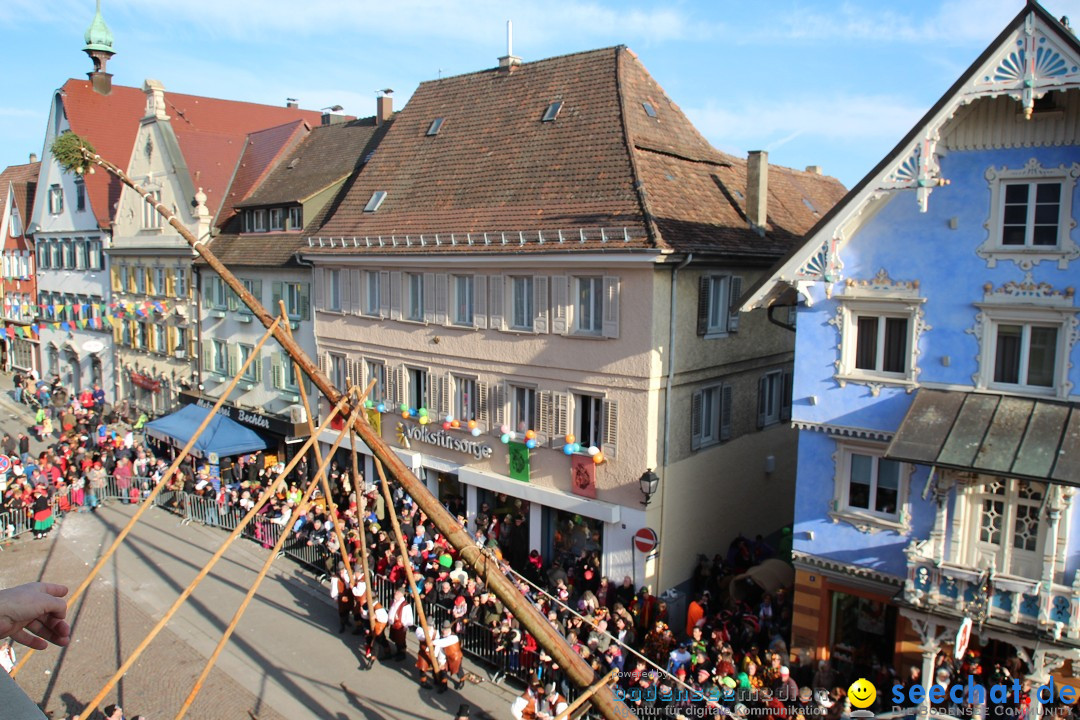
pixel 418 388
pixel 296 218
pixel 466 401
pixel 277 218
pixel 436 126
pixel 80 255
pixel 415 285
pixel 376 200
pixel 95 259
pixel 339 372
pixel 80 195
pixel 16 223
pixel 69 254
pixel 220 356
pixel 215 293
pixel 255 288
pixel 589 420
pixel 157 274
pixel 463 300
pixel 1031 214
pixel 56 200
pixel 56 261
pixel 881 344
pixel 140 279
pixel 376 371
pixel 43 255
pixel 258 220
pixel 297 297
pixel 521 303
pixel 880 321
pixel 333 290
pixel 180 282
pixel 774 398
pixel 649 109
pixel 372 293
pixel 122 278
pixel 552 111
pixel 139 340
pixel 871 489
pixel 161 345
pixel 718 305
pixel 523 408
pixel 289 379
pixel 151 218
pixel 589 305
pixel 252 372
pixel 181 338
pixel 1004 527
pixel 710 417
pixel 1025 354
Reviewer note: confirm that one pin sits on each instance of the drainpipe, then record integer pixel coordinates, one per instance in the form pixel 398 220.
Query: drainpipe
pixel 670 381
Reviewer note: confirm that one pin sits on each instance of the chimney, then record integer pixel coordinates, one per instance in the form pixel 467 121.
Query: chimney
pixel 384 109
pixel 757 189
pixel 509 61
pixel 291 103
pixel 33 158
pixel 332 115
pixel 813 169
pixel 155 99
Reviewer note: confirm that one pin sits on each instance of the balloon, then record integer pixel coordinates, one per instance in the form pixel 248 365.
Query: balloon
pixel 369 404
pixel 530 443
pixel 455 423
pixel 570 439
pixel 446 426
pixel 404 407
pixel 568 449
pixel 381 407
pixel 423 412
pixel 593 450
pixel 577 447
pixel 424 419
pixel 598 458
pixel 530 434
pixel 405 414
pixel 512 434
pixel 476 432
pixel 449 418
pixel 504 429
pixel 472 424
pixel 505 438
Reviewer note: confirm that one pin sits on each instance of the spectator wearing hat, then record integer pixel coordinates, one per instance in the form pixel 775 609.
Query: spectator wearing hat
pixel 785 689
pixel 450 646
pixel 552 704
pixel 527 704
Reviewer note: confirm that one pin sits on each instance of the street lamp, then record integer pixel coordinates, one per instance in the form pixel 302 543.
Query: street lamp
pixel 649 483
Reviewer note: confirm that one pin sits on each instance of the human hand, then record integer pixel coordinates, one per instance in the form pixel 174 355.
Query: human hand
pixel 33 614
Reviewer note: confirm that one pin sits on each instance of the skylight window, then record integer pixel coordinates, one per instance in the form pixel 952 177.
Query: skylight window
pixel 436 126
pixel 552 111
pixel 649 109
pixel 376 200
pixel 810 205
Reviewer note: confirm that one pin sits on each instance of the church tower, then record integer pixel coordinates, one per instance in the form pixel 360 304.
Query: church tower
pixel 99 42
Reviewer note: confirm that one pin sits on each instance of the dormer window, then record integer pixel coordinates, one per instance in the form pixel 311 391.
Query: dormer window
pixel 296 218
pixel 552 111
pixel 258 220
pixel 436 126
pixel 649 109
pixel 376 200
pixel 15 228
pixel 277 218
pixel 56 200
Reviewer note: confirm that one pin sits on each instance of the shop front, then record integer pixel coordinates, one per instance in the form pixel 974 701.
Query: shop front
pixel 280 434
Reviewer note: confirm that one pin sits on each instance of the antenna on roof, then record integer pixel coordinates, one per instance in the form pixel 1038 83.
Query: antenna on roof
pixel 509 61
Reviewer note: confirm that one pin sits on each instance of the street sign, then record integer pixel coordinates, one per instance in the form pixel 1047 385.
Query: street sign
pixel 963 636
pixel 5 464
pixel 646 540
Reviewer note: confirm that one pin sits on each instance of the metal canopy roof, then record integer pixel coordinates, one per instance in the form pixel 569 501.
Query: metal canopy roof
pixel 1025 438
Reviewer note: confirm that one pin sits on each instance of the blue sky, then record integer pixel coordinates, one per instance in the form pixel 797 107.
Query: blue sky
pixel 814 82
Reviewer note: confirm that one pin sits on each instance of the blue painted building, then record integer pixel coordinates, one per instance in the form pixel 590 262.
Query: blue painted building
pixel 936 376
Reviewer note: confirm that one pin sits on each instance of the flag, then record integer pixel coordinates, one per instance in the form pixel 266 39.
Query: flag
pixel 374 418
pixel 519 461
pixel 583 476
pixel 19 331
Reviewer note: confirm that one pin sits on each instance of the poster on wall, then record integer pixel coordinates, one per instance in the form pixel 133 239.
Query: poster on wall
pixel 374 418
pixel 519 461
pixel 583 476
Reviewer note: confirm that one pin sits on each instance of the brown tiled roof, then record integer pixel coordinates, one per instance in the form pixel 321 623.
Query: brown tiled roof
pixel 256 249
pixel 495 167
pixel 211 133
pixel 262 149
pixel 21 180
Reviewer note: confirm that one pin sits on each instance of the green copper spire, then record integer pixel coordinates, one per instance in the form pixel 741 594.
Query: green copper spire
pixel 98 36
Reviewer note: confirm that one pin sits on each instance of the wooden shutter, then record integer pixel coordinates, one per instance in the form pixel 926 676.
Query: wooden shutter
pixel 208 356
pixel 785 398
pixel 115 275
pixel 611 307
pixel 441 297
pixel 497 298
pixel 233 300
pixel 610 409
pixel 560 418
pixel 725 411
pixel 170 282
pixel 483 416
pixel 695 420
pixel 704 285
pixel 429 297
pixel 395 295
pixel 540 304
pixel 762 401
pixel 384 293
pixel 277 371
pixel 357 295
pixel 320 283
pixel 480 309
pixel 257 366
pixel 305 301
pixel 498 403
pixel 544 424
pixel 734 294
pixel 443 396
pixel 324 366
pixel 206 288
pixel 233 359
pixel 559 294
pixel 399 384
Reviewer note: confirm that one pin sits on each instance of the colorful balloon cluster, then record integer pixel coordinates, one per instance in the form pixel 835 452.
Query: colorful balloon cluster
pixel 507 434
pixel 573 446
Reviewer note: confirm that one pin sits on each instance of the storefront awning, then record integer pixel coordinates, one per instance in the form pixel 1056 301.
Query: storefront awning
pixel 222 436
pixel 596 509
pixel 1025 438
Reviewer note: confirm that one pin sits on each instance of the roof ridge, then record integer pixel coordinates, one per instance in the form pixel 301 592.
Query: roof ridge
pixel 531 63
pixel 639 181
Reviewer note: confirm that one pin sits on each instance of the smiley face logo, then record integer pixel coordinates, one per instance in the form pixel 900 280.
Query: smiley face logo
pixel 862 693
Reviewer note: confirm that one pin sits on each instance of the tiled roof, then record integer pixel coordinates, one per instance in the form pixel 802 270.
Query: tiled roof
pixel 495 167
pixel 262 149
pixel 256 249
pixel 21 180
pixel 211 133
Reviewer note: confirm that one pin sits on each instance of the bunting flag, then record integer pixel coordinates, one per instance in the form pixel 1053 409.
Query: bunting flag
pixel 10 331
pixel 65 326
pixel 519 461
pixel 19 331
pixel 34 329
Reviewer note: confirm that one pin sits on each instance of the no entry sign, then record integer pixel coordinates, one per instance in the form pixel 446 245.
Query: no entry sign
pixel 5 464
pixel 646 540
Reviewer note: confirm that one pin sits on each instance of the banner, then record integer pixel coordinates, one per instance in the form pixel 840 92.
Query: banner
pixel 519 461
pixel 374 418
pixel 583 476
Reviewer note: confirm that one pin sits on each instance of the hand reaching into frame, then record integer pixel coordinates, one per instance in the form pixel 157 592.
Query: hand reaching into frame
pixel 33 614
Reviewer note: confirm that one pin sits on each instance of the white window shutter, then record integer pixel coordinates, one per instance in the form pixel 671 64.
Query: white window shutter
pixel 357 296
pixel 497 299
pixel 734 293
pixel 395 295
pixel 277 371
pixel 695 421
pixel 540 304
pixel 483 416
pixel 320 283
pixel 384 293
pixel 441 298
pixel 762 401
pixel 498 402
pixel 429 297
pixel 560 418
pixel 258 366
pixel 543 422
pixel 345 290
pixel 480 297
pixel 208 357
pixel 704 288
pixel 611 427
pixel 233 359
pixel 725 412
pixel 391 387
pixel 443 394
pixel 396 391
pixel 559 292
pixel 611 307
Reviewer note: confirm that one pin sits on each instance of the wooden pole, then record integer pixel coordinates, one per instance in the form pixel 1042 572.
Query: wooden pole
pixel 577 670
pixel 584 697
pixel 404 554
pixel 369 587
pixel 321 475
pixel 301 510
pixel 93 705
pixel 148 502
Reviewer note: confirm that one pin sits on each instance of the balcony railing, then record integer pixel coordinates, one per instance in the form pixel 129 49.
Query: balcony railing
pixel 1022 602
